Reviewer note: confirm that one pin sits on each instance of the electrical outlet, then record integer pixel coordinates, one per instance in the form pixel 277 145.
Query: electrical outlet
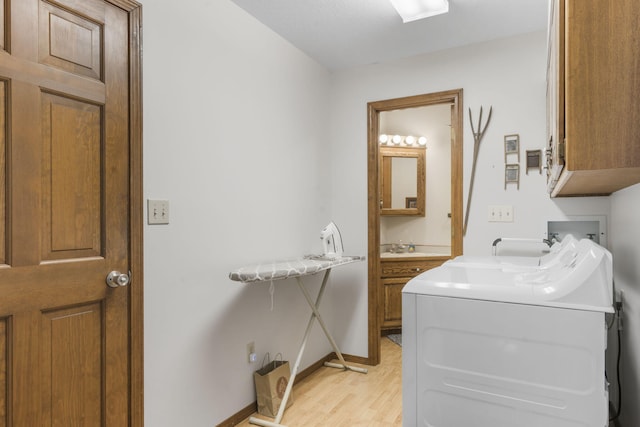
pixel 620 300
pixel 251 352
pixel 157 211
pixel 502 213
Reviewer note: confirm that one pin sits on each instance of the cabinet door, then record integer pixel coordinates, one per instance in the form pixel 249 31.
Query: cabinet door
pixel 602 110
pixel 396 274
pixel 392 315
pixel 601 80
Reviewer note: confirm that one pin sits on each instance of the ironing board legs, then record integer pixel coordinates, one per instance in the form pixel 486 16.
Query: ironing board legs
pixel 314 315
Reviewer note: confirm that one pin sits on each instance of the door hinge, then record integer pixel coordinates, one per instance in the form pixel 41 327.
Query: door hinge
pixel 561 150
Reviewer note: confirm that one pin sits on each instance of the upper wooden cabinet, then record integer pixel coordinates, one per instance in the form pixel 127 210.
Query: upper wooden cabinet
pixel 593 97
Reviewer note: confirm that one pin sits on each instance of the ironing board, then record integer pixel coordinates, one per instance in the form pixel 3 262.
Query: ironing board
pixel 297 268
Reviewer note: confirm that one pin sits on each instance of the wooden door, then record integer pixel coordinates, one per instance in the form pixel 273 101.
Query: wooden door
pixel 70 352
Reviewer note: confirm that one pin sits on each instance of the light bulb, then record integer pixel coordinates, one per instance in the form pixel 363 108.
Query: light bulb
pixel 410 140
pixel 397 139
pixel 382 139
pixel 422 140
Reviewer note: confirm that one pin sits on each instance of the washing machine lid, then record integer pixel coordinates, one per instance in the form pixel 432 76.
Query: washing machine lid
pixel 556 252
pixel 577 278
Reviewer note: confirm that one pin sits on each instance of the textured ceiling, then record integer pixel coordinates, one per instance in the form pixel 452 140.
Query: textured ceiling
pixel 346 33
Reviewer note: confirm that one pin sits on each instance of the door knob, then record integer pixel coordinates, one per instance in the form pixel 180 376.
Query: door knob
pixel 116 279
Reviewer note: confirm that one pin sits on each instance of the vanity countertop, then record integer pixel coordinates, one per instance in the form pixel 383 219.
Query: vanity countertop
pixel 284 269
pixel 394 255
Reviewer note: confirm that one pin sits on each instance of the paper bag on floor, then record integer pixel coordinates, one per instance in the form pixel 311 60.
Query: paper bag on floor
pixel 271 382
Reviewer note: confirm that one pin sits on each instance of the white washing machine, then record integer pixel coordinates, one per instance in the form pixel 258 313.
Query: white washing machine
pixel 505 344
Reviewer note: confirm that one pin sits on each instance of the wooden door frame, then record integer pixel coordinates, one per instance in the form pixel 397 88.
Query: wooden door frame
pixel 136 204
pixel 454 98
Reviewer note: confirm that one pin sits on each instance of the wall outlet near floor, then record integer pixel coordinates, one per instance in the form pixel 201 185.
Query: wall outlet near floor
pixel 251 352
pixel 500 213
pixel 619 302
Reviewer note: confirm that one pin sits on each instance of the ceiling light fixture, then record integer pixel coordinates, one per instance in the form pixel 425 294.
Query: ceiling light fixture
pixel 412 10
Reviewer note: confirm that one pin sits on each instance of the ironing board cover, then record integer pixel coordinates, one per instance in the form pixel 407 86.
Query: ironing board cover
pixel 279 270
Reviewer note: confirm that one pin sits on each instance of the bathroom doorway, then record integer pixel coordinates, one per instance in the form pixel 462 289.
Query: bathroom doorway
pixel 430 252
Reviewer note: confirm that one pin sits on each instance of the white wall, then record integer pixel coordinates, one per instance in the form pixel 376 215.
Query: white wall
pixel 507 74
pixel 234 122
pixel 257 147
pixel 625 246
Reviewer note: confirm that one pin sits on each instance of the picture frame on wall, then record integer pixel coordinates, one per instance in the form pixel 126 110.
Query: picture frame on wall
pixel 534 160
pixel 512 175
pixel 512 146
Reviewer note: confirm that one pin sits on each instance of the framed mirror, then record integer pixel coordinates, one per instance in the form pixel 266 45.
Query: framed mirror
pixel 402 181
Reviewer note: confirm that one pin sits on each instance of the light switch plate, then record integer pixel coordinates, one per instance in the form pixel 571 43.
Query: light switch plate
pixel 502 213
pixel 157 211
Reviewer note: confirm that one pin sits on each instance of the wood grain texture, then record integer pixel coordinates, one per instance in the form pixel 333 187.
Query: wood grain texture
pixel 136 206
pixel 392 314
pixel 4 370
pixel 373 247
pixel 331 397
pixel 602 81
pixel 71 176
pixel 3 25
pixel 409 267
pixel 395 273
pixel 73 367
pixel 3 171
pixel 74 146
pixel 70 42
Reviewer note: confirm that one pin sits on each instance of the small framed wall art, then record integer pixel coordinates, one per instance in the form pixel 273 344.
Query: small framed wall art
pixel 534 160
pixel 512 146
pixel 512 175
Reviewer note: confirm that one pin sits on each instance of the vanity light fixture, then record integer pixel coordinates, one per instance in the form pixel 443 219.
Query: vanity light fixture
pixel 402 141
pixel 413 10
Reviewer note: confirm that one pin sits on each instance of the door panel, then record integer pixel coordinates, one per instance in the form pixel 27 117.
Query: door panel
pixel 70 42
pixel 4 385
pixel 2 23
pixel 3 149
pixel 71 191
pixel 65 215
pixel 73 365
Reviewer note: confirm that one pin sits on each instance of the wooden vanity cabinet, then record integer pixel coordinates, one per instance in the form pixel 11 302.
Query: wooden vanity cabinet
pixel 593 109
pixel 395 274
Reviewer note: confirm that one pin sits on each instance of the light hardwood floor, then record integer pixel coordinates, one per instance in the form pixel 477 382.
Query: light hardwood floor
pixel 332 397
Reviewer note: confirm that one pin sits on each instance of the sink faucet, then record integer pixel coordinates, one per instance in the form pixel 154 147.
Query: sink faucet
pixel 397 248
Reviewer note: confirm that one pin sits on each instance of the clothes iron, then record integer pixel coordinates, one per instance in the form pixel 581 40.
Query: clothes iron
pixel 331 241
